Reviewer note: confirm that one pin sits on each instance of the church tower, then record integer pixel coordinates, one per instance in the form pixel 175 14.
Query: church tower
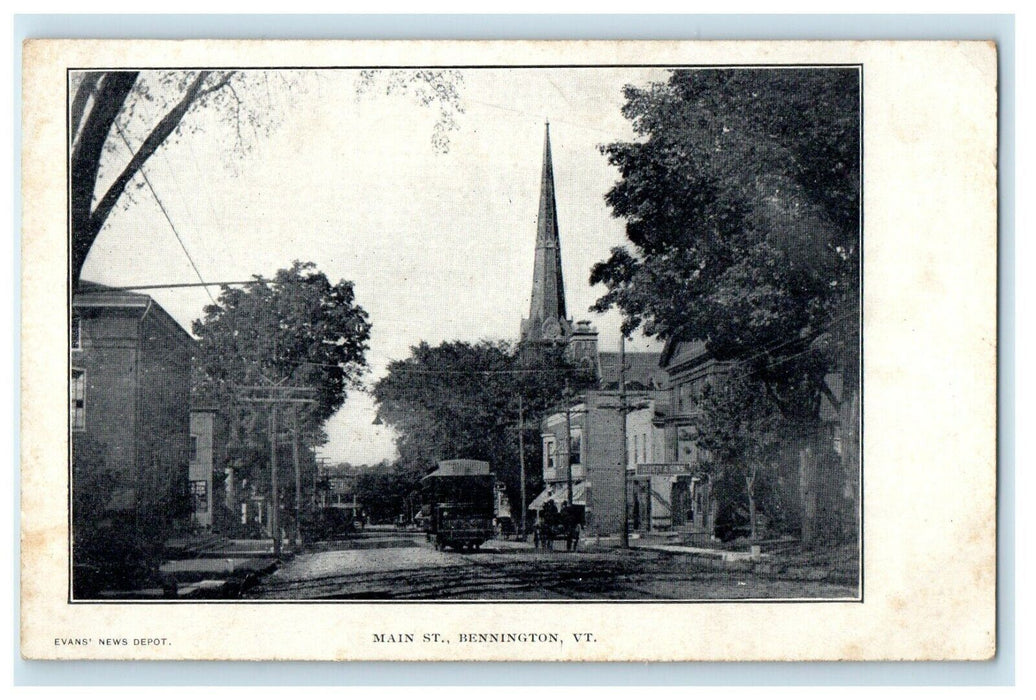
pixel 547 321
pixel 548 324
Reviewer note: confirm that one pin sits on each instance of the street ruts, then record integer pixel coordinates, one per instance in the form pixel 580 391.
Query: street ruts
pixel 407 568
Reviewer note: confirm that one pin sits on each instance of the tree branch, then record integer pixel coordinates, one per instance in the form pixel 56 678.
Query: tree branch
pixel 109 98
pixel 158 135
pixel 219 85
pixel 83 93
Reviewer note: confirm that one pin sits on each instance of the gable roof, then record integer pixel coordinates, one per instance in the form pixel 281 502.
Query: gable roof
pixel 642 371
pixel 681 350
pixel 91 295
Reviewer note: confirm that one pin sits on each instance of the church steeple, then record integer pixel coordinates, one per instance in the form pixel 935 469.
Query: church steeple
pixel 547 319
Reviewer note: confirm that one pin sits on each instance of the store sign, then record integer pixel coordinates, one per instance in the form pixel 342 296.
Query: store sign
pixel 663 469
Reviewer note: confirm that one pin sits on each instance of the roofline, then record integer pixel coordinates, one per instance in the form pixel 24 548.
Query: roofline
pixel 106 298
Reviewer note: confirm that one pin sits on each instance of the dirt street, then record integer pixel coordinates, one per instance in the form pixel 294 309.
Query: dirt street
pixel 383 565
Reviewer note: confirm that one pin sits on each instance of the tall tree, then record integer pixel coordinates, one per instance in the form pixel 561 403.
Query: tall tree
pixel 742 432
pixel 741 198
pixel 296 329
pixel 119 119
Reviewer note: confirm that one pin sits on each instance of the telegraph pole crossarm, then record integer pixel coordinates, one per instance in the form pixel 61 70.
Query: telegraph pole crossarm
pixel 276 395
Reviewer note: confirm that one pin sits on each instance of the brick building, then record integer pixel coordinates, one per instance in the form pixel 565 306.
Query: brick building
pixel 804 496
pixel 689 368
pixel 130 407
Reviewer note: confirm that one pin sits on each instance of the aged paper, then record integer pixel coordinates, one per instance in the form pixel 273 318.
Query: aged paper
pixel 924 587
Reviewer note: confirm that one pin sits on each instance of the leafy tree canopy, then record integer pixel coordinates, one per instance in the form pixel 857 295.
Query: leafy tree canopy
pixel 295 329
pixel 741 198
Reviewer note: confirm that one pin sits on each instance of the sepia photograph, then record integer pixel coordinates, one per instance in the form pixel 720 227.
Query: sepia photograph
pixel 509 351
pixel 583 333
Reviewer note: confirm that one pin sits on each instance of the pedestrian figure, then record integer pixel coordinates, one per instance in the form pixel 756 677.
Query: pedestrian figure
pixel 548 523
pixel 570 523
pixel 566 524
pixel 549 513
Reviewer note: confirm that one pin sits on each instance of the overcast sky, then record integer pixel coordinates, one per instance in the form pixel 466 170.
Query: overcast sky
pixel 439 245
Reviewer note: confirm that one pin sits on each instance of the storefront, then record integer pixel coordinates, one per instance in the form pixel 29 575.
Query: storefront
pixel 661 497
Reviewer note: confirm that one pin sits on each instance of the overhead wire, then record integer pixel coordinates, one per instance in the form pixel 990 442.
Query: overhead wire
pixel 183 246
pixel 165 213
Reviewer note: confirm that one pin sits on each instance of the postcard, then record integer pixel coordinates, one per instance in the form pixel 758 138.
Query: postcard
pixel 566 351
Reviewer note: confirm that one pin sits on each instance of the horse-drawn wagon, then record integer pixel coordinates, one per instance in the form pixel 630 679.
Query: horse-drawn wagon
pixel 552 525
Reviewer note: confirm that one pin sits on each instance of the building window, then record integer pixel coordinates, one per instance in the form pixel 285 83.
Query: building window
pixel 200 496
pixel 550 453
pixel 643 447
pixel 77 396
pixel 575 448
pixel 193 452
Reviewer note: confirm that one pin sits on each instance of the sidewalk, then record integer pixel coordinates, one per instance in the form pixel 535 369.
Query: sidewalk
pixel 836 564
pixel 722 554
pixel 244 548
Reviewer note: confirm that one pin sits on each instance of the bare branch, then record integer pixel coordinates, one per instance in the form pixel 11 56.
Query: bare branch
pixel 219 85
pixel 237 113
pixel 158 135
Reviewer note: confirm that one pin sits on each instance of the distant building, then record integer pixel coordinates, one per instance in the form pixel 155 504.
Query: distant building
pixel 594 450
pixel 659 488
pixel 336 484
pixel 208 471
pixel 130 405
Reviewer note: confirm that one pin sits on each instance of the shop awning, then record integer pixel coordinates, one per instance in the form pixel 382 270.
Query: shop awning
pixel 559 494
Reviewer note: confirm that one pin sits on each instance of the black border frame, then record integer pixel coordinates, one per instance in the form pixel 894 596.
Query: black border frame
pixel 405 601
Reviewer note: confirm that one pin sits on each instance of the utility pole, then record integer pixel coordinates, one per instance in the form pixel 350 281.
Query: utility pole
pixel 625 540
pixel 276 394
pixel 521 456
pixel 568 440
pixel 297 535
pixel 275 520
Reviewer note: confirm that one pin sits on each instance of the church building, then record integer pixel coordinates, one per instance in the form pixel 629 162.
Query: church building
pixel 586 466
pixel 548 323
